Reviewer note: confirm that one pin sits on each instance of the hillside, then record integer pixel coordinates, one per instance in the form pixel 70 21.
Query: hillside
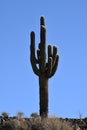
pixel 36 123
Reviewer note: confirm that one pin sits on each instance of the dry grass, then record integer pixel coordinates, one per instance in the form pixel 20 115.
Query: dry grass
pixel 51 124
pixel 36 124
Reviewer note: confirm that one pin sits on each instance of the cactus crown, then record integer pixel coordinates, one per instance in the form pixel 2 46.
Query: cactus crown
pixel 45 68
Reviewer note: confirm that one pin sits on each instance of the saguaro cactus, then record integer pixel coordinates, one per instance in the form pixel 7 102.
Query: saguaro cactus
pixel 44 67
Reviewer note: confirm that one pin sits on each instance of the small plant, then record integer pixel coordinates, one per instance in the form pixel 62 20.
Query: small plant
pixel 34 115
pixel 5 114
pixel 20 115
pixel 80 115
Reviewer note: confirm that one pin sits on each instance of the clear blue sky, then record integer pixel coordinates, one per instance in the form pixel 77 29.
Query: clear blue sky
pixel 66 22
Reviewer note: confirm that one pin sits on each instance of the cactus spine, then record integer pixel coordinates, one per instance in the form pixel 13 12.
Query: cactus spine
pixel 44 67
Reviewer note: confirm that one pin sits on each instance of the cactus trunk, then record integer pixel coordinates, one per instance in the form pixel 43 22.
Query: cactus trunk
pixel 43 84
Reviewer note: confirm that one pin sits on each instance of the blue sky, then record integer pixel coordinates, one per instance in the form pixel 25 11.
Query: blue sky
pixel 66 23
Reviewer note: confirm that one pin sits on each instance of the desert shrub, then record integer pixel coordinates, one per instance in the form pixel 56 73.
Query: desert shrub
pixel 51 124
pixel 5 114
pixel 20 115
pixel 11 124
pixel 15 124
pixel 34 115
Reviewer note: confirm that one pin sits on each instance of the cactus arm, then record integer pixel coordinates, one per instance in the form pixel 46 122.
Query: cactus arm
pixel 54 50
pixel 49 67
pixel 49 51
pixel 55 66
pixel 33 60
pixel 49 63
pixel 54 54
pixel 52 61
pixel 38 55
